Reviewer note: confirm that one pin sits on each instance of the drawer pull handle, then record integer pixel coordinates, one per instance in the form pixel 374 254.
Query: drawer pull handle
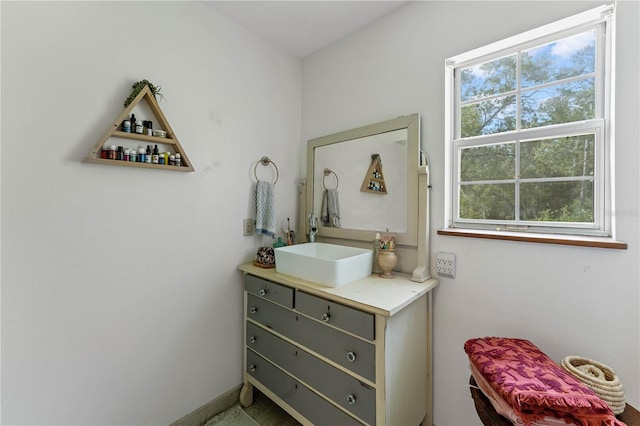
pixel 351 399
pixel 253 310
pixel 263 292
pixel 252 368
pixel 351 357
pixel 252 339
pixel 326 317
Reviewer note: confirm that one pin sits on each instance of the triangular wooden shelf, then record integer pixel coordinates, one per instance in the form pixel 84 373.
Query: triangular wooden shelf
pixel 374 179
pixel 114 131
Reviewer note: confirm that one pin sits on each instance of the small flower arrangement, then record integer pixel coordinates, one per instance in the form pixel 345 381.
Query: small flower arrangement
pixel 387 242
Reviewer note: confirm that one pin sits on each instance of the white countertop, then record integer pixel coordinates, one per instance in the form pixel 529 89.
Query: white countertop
pixel 373 294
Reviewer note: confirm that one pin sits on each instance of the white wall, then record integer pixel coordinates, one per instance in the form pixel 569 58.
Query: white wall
pixel 567 300
pixel 121 301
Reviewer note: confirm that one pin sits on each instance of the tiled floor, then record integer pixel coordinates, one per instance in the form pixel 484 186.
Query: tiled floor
pixel 266 413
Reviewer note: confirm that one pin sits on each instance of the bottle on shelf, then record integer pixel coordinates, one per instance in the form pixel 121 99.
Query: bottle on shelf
pixel 154 157
pixel 147 158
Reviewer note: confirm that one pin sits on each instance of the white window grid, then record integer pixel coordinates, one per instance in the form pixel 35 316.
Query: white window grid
pixel 602 20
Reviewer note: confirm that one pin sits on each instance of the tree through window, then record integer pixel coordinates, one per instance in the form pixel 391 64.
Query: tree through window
pixel 528 132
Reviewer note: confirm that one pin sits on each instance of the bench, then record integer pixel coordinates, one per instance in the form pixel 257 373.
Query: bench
pixel 490 417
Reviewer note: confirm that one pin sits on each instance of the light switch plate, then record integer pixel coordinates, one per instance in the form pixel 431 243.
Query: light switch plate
pixel 248 227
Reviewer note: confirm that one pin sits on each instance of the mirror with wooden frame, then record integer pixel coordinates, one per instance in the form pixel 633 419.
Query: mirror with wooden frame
pixel 348 157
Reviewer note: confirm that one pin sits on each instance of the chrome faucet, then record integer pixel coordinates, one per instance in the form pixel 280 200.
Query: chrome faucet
pixel 313 228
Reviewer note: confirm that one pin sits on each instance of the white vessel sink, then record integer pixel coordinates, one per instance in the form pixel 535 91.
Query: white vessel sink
pixel 329 264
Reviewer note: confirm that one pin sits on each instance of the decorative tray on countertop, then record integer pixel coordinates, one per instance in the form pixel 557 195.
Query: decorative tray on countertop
pixel 264 265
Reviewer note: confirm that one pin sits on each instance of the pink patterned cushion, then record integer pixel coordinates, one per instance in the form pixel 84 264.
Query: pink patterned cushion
pixel 534 385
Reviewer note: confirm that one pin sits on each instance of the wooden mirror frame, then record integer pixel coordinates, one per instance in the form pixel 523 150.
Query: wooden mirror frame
pixel 412 124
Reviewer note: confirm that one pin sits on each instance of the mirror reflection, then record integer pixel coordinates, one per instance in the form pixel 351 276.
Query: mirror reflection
pixel 371 180
pixel 349 164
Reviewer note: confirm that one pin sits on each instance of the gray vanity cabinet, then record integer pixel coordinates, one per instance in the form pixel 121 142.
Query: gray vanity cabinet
pixel 352 320
pixel 335 356
pixel 342 348
pixel 343 389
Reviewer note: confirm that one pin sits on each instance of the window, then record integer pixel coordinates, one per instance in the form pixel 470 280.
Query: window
pixel 529 131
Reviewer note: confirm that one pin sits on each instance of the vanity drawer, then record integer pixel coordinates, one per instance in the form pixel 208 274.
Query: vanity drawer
pixel 344 317
pixel 313 407
pixel 343 389
pixel 348 351
pixel 269 290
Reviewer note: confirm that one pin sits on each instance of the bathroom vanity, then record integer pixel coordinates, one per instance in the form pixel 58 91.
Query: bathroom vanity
pixel 350 355
pixel 358 352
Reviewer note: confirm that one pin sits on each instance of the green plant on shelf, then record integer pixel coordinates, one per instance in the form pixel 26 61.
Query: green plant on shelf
pixel 138 86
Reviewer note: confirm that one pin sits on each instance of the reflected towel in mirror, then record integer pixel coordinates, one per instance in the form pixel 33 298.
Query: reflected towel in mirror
pixel 265 213
pixel 330 213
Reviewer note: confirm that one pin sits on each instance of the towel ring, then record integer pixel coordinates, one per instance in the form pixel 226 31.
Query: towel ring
pixel 265 161
pixel 328 172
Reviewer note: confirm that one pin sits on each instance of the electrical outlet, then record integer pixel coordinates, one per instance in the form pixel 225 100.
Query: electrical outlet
pixel 446 264
pixel 248 227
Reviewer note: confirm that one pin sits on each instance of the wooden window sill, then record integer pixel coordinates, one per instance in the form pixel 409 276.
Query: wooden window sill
pixel 567 240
